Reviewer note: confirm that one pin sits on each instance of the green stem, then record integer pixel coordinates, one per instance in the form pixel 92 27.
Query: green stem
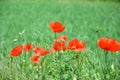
pixel 34 71
pixel 42 67
pixel 11 60
pixel 38 72
pixel 106 65
pixel 116 62
pixel 106 58
pixel 21 66
pixel 25 66
pixel 55 35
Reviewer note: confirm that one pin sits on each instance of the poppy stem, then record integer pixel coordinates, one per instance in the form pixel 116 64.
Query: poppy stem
pixel 11 60
pixel 106 56
pixel 42 67
pixel 77 59
pixel 106 64
pixel 21 66
pixel 33 71
pixel 37 72
pixel 25 60
pixel 55 35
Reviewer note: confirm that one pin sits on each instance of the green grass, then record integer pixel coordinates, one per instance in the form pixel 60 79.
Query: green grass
pixel 81 19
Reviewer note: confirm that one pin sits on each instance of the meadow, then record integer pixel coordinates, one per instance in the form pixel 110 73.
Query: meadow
pixel 28 22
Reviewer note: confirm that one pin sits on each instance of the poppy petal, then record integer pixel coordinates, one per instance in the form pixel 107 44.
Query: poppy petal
pixel 27 47
pixel 16 51
pixel 56 27
pixel 35 59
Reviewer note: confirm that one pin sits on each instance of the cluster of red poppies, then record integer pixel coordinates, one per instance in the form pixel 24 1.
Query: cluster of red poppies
pixel 38 51
pixel 60 44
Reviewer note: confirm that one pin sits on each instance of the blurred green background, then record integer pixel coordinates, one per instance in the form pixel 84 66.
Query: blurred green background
pixel 23 21
pixel 63 0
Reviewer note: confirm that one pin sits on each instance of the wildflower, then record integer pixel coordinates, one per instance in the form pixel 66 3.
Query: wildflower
pixel 16 51
pixel 114 45
pixel 27 47
pixel 75 45
pixel 41 51
pixel 109 44
pixel 35 59
pixel 56 27
pixel 58 46
pixel 103 43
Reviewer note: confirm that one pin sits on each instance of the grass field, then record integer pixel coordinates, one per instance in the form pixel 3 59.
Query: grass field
pixel 82 20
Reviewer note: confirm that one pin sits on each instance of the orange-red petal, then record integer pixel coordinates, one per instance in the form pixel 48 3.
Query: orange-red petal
pixel 103 43
pixel 27 47
pixel 109 44
pixel 56 27
pixel 35 59
pixel 41 51
pixel 113 45
pixel 16 51
pixel 58 46
pixel 75 45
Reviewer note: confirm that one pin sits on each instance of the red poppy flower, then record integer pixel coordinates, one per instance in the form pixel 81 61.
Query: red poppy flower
pixel 103 43
pixel 108 44
pixel 75 45
pixel 80 47
pixel 58 46
pixel 56 27
pixel 37 49
pixel 41 51
pixel 35 59
pixel 27 47
pixel 61 38
pixel 113 45
pixel 16 51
